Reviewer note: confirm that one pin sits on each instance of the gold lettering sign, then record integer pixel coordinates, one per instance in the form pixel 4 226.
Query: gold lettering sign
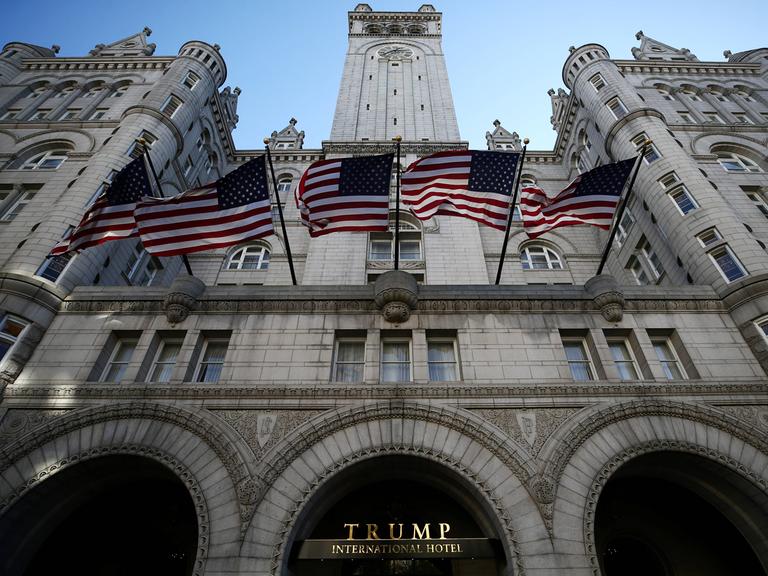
pixel 417 532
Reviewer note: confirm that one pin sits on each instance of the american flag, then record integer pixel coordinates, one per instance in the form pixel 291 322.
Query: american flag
pixel 591 198
pixel 346 195
pixel 229 211
pixel 470 183
pixel 111 216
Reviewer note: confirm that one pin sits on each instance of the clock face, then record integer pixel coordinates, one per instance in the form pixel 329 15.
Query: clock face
pixel 395 52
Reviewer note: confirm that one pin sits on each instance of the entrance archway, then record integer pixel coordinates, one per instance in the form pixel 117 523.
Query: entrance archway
pixel 396 515
pixel 111 515
pixel 679 514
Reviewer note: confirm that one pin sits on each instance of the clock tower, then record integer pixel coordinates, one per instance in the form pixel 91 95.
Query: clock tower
pixel 395 81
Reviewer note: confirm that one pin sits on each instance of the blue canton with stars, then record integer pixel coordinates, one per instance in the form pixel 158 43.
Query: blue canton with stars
pixel 605 180
pixel 368 175
pixel 129 185
pixel 492 171
pixel 246 185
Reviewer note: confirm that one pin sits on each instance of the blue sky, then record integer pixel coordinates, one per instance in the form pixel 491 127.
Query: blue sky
pixel 287 56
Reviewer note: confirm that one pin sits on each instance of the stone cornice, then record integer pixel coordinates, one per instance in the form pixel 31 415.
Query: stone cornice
pixel 687 67
pixel 382 147
pixel 749 390
pixel 403 16
pixel 285 155
pixel 99 63
pixel 360 299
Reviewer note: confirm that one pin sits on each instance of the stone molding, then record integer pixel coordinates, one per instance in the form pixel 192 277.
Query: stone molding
pixel 178 469
pixel 326 391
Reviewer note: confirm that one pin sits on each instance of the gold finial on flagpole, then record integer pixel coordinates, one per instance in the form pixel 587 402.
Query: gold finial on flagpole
pixel 526 141
pixel 266 141
pixel 398 138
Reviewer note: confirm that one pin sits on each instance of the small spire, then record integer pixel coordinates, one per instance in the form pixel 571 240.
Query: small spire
pixel 639 35
pixel 55 48
pixel 147 31
pixel 496 123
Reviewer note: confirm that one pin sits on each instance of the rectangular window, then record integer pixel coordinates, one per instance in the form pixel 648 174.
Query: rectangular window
pixel 191 80
pixel 517 216
pixel 99 113
pixel 70 114
pixel 40 114
pixel 24 198
pixel 396 359
pixel 349 359
pixel 188 166
pixel 670 364
pixel 762 326
pixel 683 200
pixel 52 267
pixel 754 194
pixel 10 330
pixel 578 359
pixel 651 152
pixel 617 108
pixel 10 114
pixel 165 360
pixel 141 268
pixel 727 263
pixel 742 118
pixel 685 117
pixel 638 272
pixel 709 237
pixel 622 358
pixel 713 117
pixel 135 150
pixel 597 82
pixel 441 358
pixel 624 227
pixel 211 359
pixel 651 258
pixel 171 105
pixel 669 180
pixel 119 359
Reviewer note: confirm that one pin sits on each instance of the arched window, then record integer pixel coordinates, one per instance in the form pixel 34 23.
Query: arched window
pixel 744 95
pixel 539 257
pixel 252 257
pixel 49 160
pixel 64 92
pixel 119 92
pixel 94 91
pixel 382 244
pixel 664 92
pixel 37 92
pixel 691 94
pixel 284 184
pixel 732 162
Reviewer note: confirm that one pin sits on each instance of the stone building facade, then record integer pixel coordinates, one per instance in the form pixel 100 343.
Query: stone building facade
pixel 229 423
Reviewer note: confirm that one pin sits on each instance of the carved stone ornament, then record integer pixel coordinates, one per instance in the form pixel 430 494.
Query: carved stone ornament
pixel 396 295
pixel 606 294
pixel 182 298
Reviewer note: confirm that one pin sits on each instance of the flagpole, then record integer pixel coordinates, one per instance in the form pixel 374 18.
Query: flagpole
pixel 622 207
pixel 397 140
pixel 280 211
pixel 143 144
pixel 511 211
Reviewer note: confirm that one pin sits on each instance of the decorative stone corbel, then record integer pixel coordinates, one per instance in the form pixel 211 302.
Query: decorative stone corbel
pixel 182 298
pixel 606 294
pixel 396 294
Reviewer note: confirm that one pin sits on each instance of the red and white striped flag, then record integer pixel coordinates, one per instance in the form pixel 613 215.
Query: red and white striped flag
pixel 475 184
pixel 346 195
pixel 234 209
pixel 111 216
pixel 591 198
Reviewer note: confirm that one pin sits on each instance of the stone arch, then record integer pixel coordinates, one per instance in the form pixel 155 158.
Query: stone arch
pixel 179 470
pixel 331 442
pixel 212 443
pixel 581 456
pixel 703 143
pixel 556 240
pixel 79 140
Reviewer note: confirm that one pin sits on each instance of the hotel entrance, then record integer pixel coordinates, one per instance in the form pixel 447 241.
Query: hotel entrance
pixel 397 515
